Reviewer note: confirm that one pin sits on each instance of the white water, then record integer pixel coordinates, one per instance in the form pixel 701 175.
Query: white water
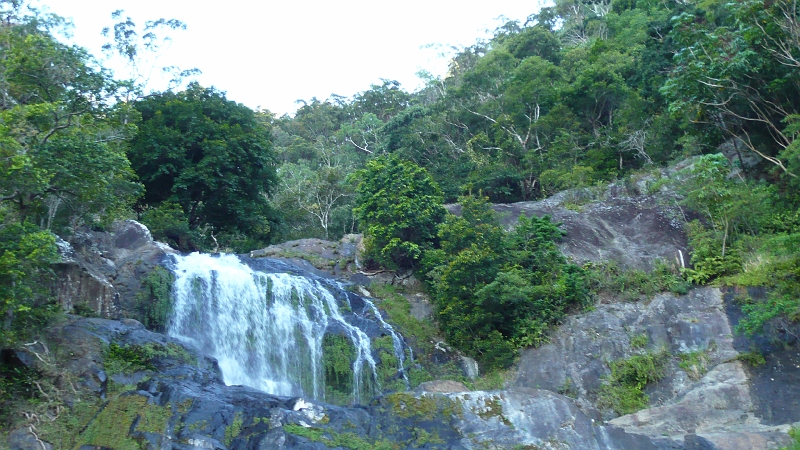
pixel 265 329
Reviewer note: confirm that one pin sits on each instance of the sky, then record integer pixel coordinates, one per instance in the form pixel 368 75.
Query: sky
pixel 269 54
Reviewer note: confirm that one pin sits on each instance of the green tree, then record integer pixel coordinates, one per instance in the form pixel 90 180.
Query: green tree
pixel 209 155
pixel 26 255
pixel 498 291
pixel 62 160
pixel 399 207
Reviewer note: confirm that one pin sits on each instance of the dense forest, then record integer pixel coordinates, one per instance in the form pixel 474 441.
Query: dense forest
pixel 584 93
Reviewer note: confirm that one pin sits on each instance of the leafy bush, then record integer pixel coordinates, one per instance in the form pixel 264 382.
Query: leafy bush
pixel 623 390
pixel 399 207
pixel 498 291
pixel 25 257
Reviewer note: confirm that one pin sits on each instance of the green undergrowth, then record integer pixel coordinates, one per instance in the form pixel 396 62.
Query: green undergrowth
pixel 753 358
pixel 421 335
pixel 623 391
pixel 695 363
pixel 106 424
pixel 608 279
pixel 338 356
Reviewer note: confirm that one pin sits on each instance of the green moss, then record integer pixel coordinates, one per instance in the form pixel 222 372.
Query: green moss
pixel 112 425
pixel 608 279
pixel 423 437
pixel 198 426
pixel 338 356
pixel 233 431
pixel 331 438
pixel 64 431
pixel 424 407
pixel 154 299
pixel 388 365
pixel 492 408
pixel 490 381
pixel 568 388
pixel 125 359
pixel 407 405
pixel 753 358
pixel 639 341
pixel 794 433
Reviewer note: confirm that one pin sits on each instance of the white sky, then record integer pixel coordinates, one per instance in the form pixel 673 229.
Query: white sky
pixel 269 54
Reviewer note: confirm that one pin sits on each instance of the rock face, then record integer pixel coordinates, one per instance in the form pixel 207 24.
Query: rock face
pixel 102 271
pixel 718 408
pixel 634 231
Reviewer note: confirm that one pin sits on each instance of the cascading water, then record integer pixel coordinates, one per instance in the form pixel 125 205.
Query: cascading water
pixel 266 329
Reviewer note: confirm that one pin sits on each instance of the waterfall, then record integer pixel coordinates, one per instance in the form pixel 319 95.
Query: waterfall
pixel 266 326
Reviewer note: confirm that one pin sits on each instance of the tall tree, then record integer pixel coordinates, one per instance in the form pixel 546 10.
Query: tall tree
pixel 211 156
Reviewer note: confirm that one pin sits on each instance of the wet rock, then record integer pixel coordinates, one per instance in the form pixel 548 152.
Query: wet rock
pixel 534 417
pixel 470 367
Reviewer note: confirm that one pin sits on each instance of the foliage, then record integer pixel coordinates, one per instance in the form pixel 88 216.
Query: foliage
pixel 639 341
pixel 61 133
pixel 399 207
pixel 108 428
pixel 497 291
pixel 131 358
pixel 210 156
pixel 125 359
pixel 794 433
pixel 771 261
pixel 623 391
pixel 694 363
pixel 26 254
pixel 232 431
pixel 154 301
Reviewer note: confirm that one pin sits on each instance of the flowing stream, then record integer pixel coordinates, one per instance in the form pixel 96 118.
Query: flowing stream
pixel 266 325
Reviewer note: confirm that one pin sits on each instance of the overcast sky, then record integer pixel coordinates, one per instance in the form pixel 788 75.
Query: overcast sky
pixel 269 54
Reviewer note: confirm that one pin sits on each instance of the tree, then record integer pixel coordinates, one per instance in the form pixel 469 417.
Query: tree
pixel 399 207
pixel 320 193
pixel 498 291
pixel 209 155
pixel 62 160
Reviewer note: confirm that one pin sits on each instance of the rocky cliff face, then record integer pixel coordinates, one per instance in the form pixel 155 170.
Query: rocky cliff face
pixel 101 272
pixel 712 401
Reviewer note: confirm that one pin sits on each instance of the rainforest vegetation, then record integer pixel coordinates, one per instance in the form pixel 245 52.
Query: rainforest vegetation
pixel 582 94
